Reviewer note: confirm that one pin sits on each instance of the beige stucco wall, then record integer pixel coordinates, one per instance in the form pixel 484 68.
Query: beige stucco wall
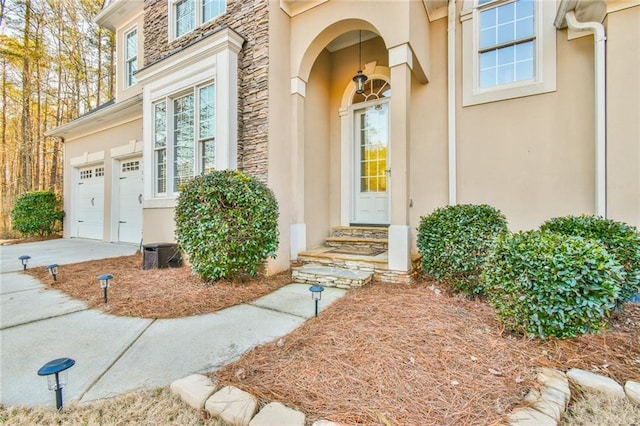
pixel 159 225
pixel 279 135
pixel 623 113
pixel 92 144
pixel 533 157
pixel 317 151
pixel 428 158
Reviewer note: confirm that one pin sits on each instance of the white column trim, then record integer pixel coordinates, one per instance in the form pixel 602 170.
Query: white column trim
pixel 345 166
pixel 401 54
pixel 226 118
pixel 298 87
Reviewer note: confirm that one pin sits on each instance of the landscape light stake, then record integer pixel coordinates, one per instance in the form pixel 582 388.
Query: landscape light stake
pixel 316 294
pixel 24 259
pixel 53 270
pixel 104 283
pixel 56 376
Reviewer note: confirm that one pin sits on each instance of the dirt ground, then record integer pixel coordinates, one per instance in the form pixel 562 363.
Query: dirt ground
pixel 384 354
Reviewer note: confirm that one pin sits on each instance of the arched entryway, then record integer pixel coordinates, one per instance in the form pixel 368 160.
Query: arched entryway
pixel 328 185
pixel 365 148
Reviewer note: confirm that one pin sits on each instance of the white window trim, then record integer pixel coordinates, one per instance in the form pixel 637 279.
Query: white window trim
pixel 125 70
pixel 214 58
pixel 545 58
pixel 199 19
pixel 170 139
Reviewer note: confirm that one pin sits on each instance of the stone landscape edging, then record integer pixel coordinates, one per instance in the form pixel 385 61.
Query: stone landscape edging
pixel 546 405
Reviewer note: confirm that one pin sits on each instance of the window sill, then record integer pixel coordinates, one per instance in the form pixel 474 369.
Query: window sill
pixel 160 203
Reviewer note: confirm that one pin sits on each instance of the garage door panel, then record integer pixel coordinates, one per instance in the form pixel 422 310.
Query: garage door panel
pixel 90 203
pixel 130 202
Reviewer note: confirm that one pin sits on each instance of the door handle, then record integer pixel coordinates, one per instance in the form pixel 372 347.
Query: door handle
pixel 388 172
pixel 93 201
pixel 139 198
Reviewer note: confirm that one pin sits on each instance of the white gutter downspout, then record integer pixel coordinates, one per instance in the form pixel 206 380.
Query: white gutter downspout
pixel 600 100
pixel 451 102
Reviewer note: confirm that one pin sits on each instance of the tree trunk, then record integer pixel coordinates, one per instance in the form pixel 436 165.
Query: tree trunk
pixel 25 179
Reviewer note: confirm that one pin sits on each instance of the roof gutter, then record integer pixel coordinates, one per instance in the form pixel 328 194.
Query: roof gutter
pixel 593 12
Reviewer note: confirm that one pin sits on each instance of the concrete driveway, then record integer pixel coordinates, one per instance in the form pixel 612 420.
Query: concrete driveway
pixel 115 355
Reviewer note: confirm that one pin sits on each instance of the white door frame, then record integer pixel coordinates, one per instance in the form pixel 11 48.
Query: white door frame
pixel 347 129
pixel 355 110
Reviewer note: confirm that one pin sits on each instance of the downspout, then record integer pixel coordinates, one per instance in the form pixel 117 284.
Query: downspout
pixel 600 112
pixel 451 102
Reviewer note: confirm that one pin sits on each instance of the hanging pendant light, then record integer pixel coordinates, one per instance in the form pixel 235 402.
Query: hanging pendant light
pixel 360 78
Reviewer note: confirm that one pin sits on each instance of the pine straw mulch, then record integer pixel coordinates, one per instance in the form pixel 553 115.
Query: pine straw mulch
pixel 153 293
pixel 402 355
pixel 383 354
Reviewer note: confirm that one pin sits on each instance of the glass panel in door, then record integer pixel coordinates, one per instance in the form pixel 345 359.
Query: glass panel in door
pixel 371 204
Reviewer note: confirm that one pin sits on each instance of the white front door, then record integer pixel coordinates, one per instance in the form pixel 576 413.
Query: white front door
pixel 371 165
pixel 90 203
pixel 130 202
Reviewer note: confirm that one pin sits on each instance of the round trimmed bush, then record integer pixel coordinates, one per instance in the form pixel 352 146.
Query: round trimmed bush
pixel 620 239
pixel 454 242
pixel 547 284
pixel 37 213
pixel 227 223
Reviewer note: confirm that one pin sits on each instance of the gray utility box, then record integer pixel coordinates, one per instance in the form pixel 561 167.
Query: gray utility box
pixel 161 255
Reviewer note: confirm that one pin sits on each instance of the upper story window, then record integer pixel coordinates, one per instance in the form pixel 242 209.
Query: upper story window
pixel 184 138
pixel 509 49
pixel 507 41
pixel 186 15
pixel 131 57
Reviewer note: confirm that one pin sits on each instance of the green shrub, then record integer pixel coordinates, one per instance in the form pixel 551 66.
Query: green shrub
pixel 619 239
pixel 454 242
pixel 37 214
pixel 549 284
pixel 227 223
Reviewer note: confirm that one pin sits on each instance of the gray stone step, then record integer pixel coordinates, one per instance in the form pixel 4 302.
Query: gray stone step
pixel 378 232
pixel 357 243
pixel 378 264
pixel 330 276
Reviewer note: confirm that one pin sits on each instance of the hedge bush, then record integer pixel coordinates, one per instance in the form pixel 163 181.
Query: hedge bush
pixel 620 239
pixel 454 242
pixel 37 214
pixel 227 223
pixel 548 284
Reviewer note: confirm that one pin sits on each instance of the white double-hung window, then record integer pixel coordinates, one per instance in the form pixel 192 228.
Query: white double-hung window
pixel 184 138
pixel 507 43
pixel 186 15
pixel 508 49
pixel 130 57
pixel 190 115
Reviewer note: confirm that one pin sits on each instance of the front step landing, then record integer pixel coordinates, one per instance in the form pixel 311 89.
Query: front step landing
pixel 331 276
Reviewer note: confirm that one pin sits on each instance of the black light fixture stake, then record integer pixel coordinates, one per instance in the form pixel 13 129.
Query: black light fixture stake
pixel 316 294
pixel 52 370
pixel 104 283
pixel 53 270
pixel 24 259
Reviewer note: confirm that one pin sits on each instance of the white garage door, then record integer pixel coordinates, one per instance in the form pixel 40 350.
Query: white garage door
pixel 90 205
pixel 130 202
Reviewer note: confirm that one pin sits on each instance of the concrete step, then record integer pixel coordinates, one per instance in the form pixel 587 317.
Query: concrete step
pixel 330 276
pixel 378 232
pixel 357 243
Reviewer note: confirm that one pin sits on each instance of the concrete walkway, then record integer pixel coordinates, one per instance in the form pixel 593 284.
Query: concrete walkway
pixel 115 355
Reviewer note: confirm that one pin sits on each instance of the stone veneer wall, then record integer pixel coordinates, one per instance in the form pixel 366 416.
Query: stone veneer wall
pixel 250 19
